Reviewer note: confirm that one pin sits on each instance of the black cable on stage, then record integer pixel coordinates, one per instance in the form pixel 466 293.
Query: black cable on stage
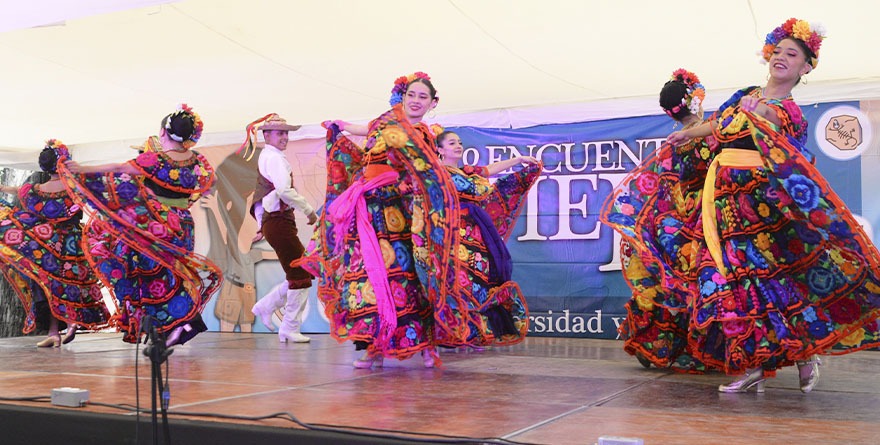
pixel 27 399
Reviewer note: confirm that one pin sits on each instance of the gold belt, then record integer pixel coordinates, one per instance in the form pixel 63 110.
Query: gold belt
pixel 729 157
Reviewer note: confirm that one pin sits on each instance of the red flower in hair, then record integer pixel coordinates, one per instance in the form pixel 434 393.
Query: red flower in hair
pixel 685 76
pixel 814 42
pixel 788 26
pixel 401 83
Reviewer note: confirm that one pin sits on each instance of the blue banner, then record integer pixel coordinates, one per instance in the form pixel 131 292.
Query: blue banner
pixel 565 260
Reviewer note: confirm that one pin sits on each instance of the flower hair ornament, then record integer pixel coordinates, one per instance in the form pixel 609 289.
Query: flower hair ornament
pixel 437 129
pixel 50 165
pixel 61 150
pixel 811 35
pixel 693 96
pixel 185 111
pixel 400 86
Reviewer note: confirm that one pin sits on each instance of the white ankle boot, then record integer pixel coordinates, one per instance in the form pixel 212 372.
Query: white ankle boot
pixel 293 315
pixel 272 301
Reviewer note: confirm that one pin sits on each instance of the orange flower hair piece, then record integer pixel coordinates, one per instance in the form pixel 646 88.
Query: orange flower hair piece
pixel 811 35
pixel 400 86
pixel 185 110
pixel 61 154
pixel 61 150
pixel 694 95
pixel 436 129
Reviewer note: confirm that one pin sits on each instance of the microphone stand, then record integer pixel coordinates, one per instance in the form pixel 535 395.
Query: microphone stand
pixel 158 353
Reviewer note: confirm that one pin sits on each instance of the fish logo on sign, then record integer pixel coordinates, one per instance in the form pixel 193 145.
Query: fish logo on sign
pixel 843 132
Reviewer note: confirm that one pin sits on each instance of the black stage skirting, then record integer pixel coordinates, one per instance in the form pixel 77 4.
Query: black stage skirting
pixel 243 388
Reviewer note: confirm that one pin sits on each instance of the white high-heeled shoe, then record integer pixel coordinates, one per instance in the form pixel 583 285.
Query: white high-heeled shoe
pixel 754 377
pixel 808 383
pixel 51 341
pixel 367 361
pixel 428 357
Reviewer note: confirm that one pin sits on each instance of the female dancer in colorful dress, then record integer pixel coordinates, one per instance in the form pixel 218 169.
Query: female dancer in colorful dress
pixel 382 249
pixel 785 272
pixel 144 231
pixel 656 209
pixel 497 311
pixel 42 255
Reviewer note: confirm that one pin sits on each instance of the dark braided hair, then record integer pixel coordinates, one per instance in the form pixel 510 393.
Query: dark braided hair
pixel 673 95
pixel 180 125
pixel 48 160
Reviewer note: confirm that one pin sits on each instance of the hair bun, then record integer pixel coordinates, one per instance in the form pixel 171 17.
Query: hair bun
pixel 54 151
pixel 180 125
pixel 183 125
pixel 683 94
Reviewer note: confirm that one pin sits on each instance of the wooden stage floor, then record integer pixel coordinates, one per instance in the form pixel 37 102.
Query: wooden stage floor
pixel 544 391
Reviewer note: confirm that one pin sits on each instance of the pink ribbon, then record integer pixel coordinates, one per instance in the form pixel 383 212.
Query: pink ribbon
pixel 352 205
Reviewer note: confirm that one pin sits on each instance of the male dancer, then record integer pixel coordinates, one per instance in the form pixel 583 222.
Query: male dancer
pixel 275 199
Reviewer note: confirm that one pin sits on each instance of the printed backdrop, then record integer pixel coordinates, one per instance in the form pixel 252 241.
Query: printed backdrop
pixel 565 260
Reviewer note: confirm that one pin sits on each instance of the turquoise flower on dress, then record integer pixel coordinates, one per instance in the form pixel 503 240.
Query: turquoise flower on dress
pixel 810 315
pixel 461 183
pixel 803 191
pixel 403 253
pixel 755 256
pixel 708 287
pixel 437 235
pixel 480 294
pixel 621 219
pixel 435 194
pixel 179 306
pixel 820 280
pixel 71 245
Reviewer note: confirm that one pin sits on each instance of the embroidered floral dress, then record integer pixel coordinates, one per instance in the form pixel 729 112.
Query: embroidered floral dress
pixel 785 271
pixel 497 311
pixel 40 242
pixel 143 239
pixel 382 249
pixel 656 209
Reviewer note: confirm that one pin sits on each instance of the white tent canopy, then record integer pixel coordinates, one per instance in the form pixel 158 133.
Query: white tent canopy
pixel 102 73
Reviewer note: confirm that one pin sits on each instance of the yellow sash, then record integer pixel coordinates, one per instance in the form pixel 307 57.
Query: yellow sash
pixel 729 157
